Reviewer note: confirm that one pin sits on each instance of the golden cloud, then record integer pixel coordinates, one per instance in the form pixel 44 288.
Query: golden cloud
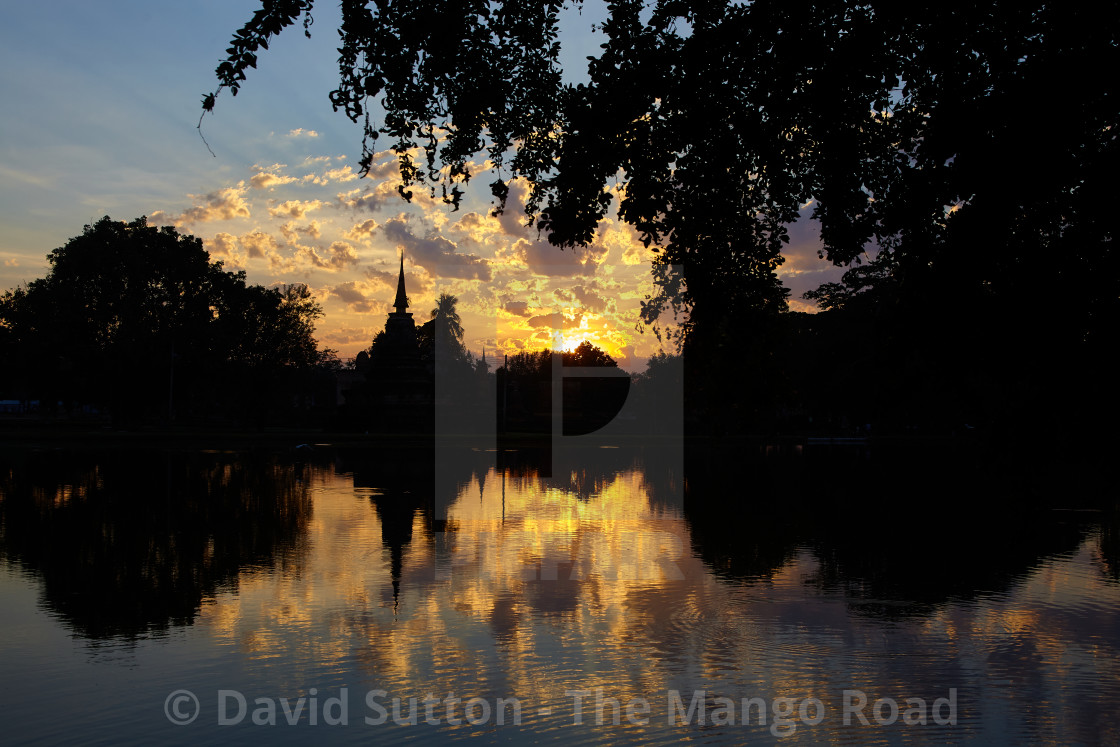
pixel 295 208
pixel 224 247
pixel 362 231
pixel 353 294
pixel 268 180
pixel 551 261
pixel 291 230
pixel 340 255
pixel 223 204
pixel 259 244
pixel 341 174
pixel 369 198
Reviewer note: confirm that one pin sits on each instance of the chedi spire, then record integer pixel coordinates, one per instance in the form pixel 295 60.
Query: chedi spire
pixel 401 301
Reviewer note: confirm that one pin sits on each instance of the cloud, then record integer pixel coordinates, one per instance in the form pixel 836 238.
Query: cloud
pixel 539 321
pixel 516 308
pixel 291 230
pixel 474 227
pixel 341 174
pixel 295 208
pixel 385 166
pixel 551 261
pixel 348 335
pixel 300 132
pixel 435 254
pixel 224 204
pixel 803 270
pixel 259 244
pixel 362 231
pixel 353 294
pixel 340 255
pixel 513 219
pixel 224 247
pixel 808 307
pixel 591 299
pixel 369 198
pixel 268 180
pixel 498 229
pixel 544 321
pixel 388 279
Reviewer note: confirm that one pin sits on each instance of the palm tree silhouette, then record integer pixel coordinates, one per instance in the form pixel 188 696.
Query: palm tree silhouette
pixel 446 319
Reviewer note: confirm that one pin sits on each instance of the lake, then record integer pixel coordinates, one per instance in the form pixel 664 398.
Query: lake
pixel 195 596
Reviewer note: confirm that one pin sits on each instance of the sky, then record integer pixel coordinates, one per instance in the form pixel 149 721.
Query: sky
pixel 101 105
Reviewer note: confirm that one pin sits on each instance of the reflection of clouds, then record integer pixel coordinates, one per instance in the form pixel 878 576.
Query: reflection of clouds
pixel 575 582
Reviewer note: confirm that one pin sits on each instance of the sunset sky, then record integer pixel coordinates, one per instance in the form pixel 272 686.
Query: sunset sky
pixel 101 103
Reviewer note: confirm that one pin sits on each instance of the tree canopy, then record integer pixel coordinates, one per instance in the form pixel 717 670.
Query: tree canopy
pixel 538 363
pixel 960 160
pixel 128 308
pixel 721 120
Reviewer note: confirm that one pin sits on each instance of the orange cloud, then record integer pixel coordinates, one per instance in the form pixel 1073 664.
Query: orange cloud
pixel 362 231
pixel 259 244
pixel 223 247
pixel 341 174
pixel 268 180
pixel 340 255
pixel 295 208
pixel 291 230
pixel 224 204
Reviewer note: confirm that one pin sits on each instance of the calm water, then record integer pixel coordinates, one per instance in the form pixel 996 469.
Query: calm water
pixel 264 578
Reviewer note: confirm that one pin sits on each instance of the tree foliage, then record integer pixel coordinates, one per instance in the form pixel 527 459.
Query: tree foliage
pixel 960 161
pixel 128 308
pixel 538 363
pixel 447 324
pixel 587 354
pixel 720 120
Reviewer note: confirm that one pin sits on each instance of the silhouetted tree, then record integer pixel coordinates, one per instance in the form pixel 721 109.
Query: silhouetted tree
pixel 138 319
pixel 587 354
pixel 447 320
pixel 526 381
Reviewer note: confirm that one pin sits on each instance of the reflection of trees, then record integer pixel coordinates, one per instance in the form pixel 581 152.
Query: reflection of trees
pixel 925 526
pixel 898 532
pixel 926 560
pixel 737 505
pixel 127 543
pixel 585 470
pixel 1110 544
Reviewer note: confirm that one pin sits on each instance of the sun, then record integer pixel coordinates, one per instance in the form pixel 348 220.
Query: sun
pixel 571 343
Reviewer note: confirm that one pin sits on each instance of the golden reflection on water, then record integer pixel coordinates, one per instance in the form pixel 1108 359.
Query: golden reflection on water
pixel 531 591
